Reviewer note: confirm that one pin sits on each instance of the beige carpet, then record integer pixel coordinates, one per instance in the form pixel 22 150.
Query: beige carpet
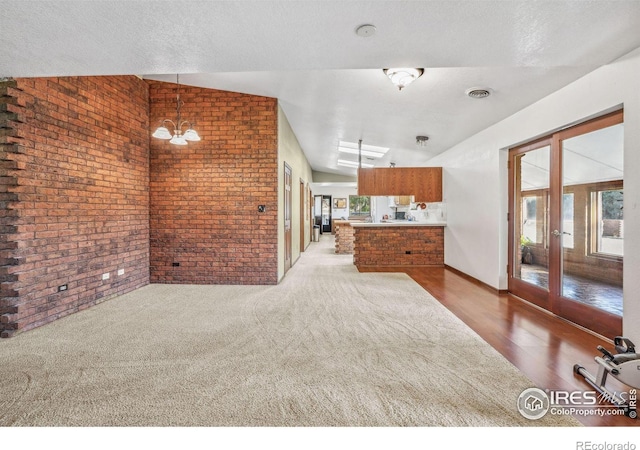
pixel 327 347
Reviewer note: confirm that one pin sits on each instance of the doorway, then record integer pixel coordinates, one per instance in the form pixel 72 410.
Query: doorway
pixel 326 214
pixel 317 211
pixel 303 211
pixel 287 217
pixel 566 226
pixel 310 212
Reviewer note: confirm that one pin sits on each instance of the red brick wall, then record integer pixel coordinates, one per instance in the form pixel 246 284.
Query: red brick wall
pixel 204 196
pixel 344 238
pixel 388 246
pixel 73 193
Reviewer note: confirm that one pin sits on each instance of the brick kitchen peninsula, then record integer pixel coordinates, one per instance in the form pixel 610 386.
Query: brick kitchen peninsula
pixel 344 237
pixel 398 244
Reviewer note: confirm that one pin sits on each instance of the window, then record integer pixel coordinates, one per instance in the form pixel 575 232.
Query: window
pixel 359 205
pixel 534 217
pixel 529 221
pixel 609 219
pixel 533 220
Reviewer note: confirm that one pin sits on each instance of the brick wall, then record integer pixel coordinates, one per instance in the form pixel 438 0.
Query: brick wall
pixel 344 237
pixel 74 195
pixel 398 246
pixel 204 197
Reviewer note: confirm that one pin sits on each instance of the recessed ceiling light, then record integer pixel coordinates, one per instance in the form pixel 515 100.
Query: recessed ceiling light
pixel 478 92
pixel 366 30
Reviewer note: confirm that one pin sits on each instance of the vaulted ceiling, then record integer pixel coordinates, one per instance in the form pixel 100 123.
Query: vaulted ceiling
pixel 328 79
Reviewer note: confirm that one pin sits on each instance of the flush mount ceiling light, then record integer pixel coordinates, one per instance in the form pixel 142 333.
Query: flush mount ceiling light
pixel 403 77
pixel 478 92
pixel 367 150
pixel 367 30
pixel 178 137
pixel 422 140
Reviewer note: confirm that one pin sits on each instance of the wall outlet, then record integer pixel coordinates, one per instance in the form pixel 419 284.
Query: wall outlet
pixel 120 271
pixel 105 276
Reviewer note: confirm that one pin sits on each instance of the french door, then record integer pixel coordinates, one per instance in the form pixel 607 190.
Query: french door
pixel 566 225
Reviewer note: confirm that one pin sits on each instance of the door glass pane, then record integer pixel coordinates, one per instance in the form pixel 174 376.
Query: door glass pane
pixel 531 225
pixel 567 220
pixel 326 214
pixel 592 172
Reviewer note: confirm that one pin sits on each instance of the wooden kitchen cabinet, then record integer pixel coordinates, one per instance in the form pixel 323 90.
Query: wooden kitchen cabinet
pixel 424 183
pixel 429 185
pixel 366 182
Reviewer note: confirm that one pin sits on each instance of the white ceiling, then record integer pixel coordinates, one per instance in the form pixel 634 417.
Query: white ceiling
pixel 329 80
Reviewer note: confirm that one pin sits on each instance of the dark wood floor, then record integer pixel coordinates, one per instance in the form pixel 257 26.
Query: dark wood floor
pixel 543 346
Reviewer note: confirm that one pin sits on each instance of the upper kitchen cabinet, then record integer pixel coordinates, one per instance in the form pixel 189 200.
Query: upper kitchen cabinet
pixel 424 183
pixel 367 182
pixel 429 185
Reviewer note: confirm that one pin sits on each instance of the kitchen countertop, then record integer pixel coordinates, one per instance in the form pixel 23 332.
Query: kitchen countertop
pixel 404 223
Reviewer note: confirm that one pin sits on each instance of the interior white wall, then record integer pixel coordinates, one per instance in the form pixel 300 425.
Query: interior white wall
pixel 475 176
pixel 290 152
pixel 380 208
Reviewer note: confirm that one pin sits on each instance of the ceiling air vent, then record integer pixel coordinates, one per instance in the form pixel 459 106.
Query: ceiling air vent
pixel 478 92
